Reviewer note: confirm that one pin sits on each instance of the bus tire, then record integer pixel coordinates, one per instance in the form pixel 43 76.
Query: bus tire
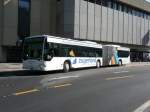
pixel 98 64
pixel 66 67
pixel 120 62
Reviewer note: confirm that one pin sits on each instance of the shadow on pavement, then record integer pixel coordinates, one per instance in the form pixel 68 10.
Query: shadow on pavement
pixel 26 73
pixel 39 73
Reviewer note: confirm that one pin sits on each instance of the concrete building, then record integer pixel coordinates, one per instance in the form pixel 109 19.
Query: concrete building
pixel 122 22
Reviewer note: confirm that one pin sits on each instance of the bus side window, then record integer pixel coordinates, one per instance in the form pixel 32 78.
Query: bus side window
pixel 71 53
pixel 81 51
pixel 56 50
pixel 98 52
pixel 64 49
pixel 91 52
pixel 84 51
pixel 123 54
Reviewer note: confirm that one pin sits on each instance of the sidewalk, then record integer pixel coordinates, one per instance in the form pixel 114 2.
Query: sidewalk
pixel 8 67
pixel 138 64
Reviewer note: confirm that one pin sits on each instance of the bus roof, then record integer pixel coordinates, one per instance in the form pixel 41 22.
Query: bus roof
pixel 123 48
pixel 118 47
pixel 69 41
pixel 112 45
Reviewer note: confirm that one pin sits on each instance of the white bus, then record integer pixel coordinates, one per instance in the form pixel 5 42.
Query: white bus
pixel 123 55
pixel 115 55
pixel 47 53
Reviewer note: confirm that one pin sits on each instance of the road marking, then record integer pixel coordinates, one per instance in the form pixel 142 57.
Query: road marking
pixel 25 92
pixel 123 77
pixel 121 72
pixel 63 85
pixel 4 96
pixel 65 77
pixel 143 107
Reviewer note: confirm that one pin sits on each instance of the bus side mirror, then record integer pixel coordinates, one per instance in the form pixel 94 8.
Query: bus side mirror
pixel 19 43
pixel 48 58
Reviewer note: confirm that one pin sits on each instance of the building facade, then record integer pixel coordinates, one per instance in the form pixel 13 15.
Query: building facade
pixel 122 22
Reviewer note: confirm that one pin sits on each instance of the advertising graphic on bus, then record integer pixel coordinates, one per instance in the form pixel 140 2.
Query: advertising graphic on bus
pixel 115 55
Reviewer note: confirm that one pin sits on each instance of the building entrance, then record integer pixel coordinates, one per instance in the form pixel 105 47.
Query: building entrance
pixel 139 56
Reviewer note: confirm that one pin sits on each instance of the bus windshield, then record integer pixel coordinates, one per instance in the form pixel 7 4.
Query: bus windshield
pixel 33 48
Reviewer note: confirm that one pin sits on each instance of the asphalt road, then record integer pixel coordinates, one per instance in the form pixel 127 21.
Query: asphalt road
pixel 113 89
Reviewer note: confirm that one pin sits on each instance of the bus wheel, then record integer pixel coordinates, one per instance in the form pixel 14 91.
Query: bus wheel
pixel 120 63
pixel 98 64
pixel 66 67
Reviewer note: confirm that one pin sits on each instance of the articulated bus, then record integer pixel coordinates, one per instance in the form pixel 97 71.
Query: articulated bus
pixel 47 53
pixel 115 55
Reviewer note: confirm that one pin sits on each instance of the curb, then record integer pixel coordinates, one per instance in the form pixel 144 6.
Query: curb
pixel 13 68
pixel 10 70
pixel 138 64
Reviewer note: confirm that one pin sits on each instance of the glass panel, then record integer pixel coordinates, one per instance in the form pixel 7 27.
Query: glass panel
pixel 33 48
pixel 123 54
pixel 98 52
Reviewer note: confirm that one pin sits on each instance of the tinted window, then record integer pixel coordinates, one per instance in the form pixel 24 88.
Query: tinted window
pixel 98 52
pixel 62 50
pixel 33 48
pixel 123 54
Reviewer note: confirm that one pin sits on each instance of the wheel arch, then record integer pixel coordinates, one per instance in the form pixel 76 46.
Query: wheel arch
pixel 120 60
pixel 69 62
pixel 99 61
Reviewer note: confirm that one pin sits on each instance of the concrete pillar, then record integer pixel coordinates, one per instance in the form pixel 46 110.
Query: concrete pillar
pixel 2 55
pixel 35 27
pixel 1 29
pixel 48 16
pixel 10 22
pixel 1 21
pixel 43 17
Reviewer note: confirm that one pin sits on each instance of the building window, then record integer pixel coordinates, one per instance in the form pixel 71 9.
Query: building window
pixel 98 2
pixel 110 4
pixel 130 10
pixel 104 3
pixel 115 6
pixel 119 7
pixel 23 18
pixel 92 1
